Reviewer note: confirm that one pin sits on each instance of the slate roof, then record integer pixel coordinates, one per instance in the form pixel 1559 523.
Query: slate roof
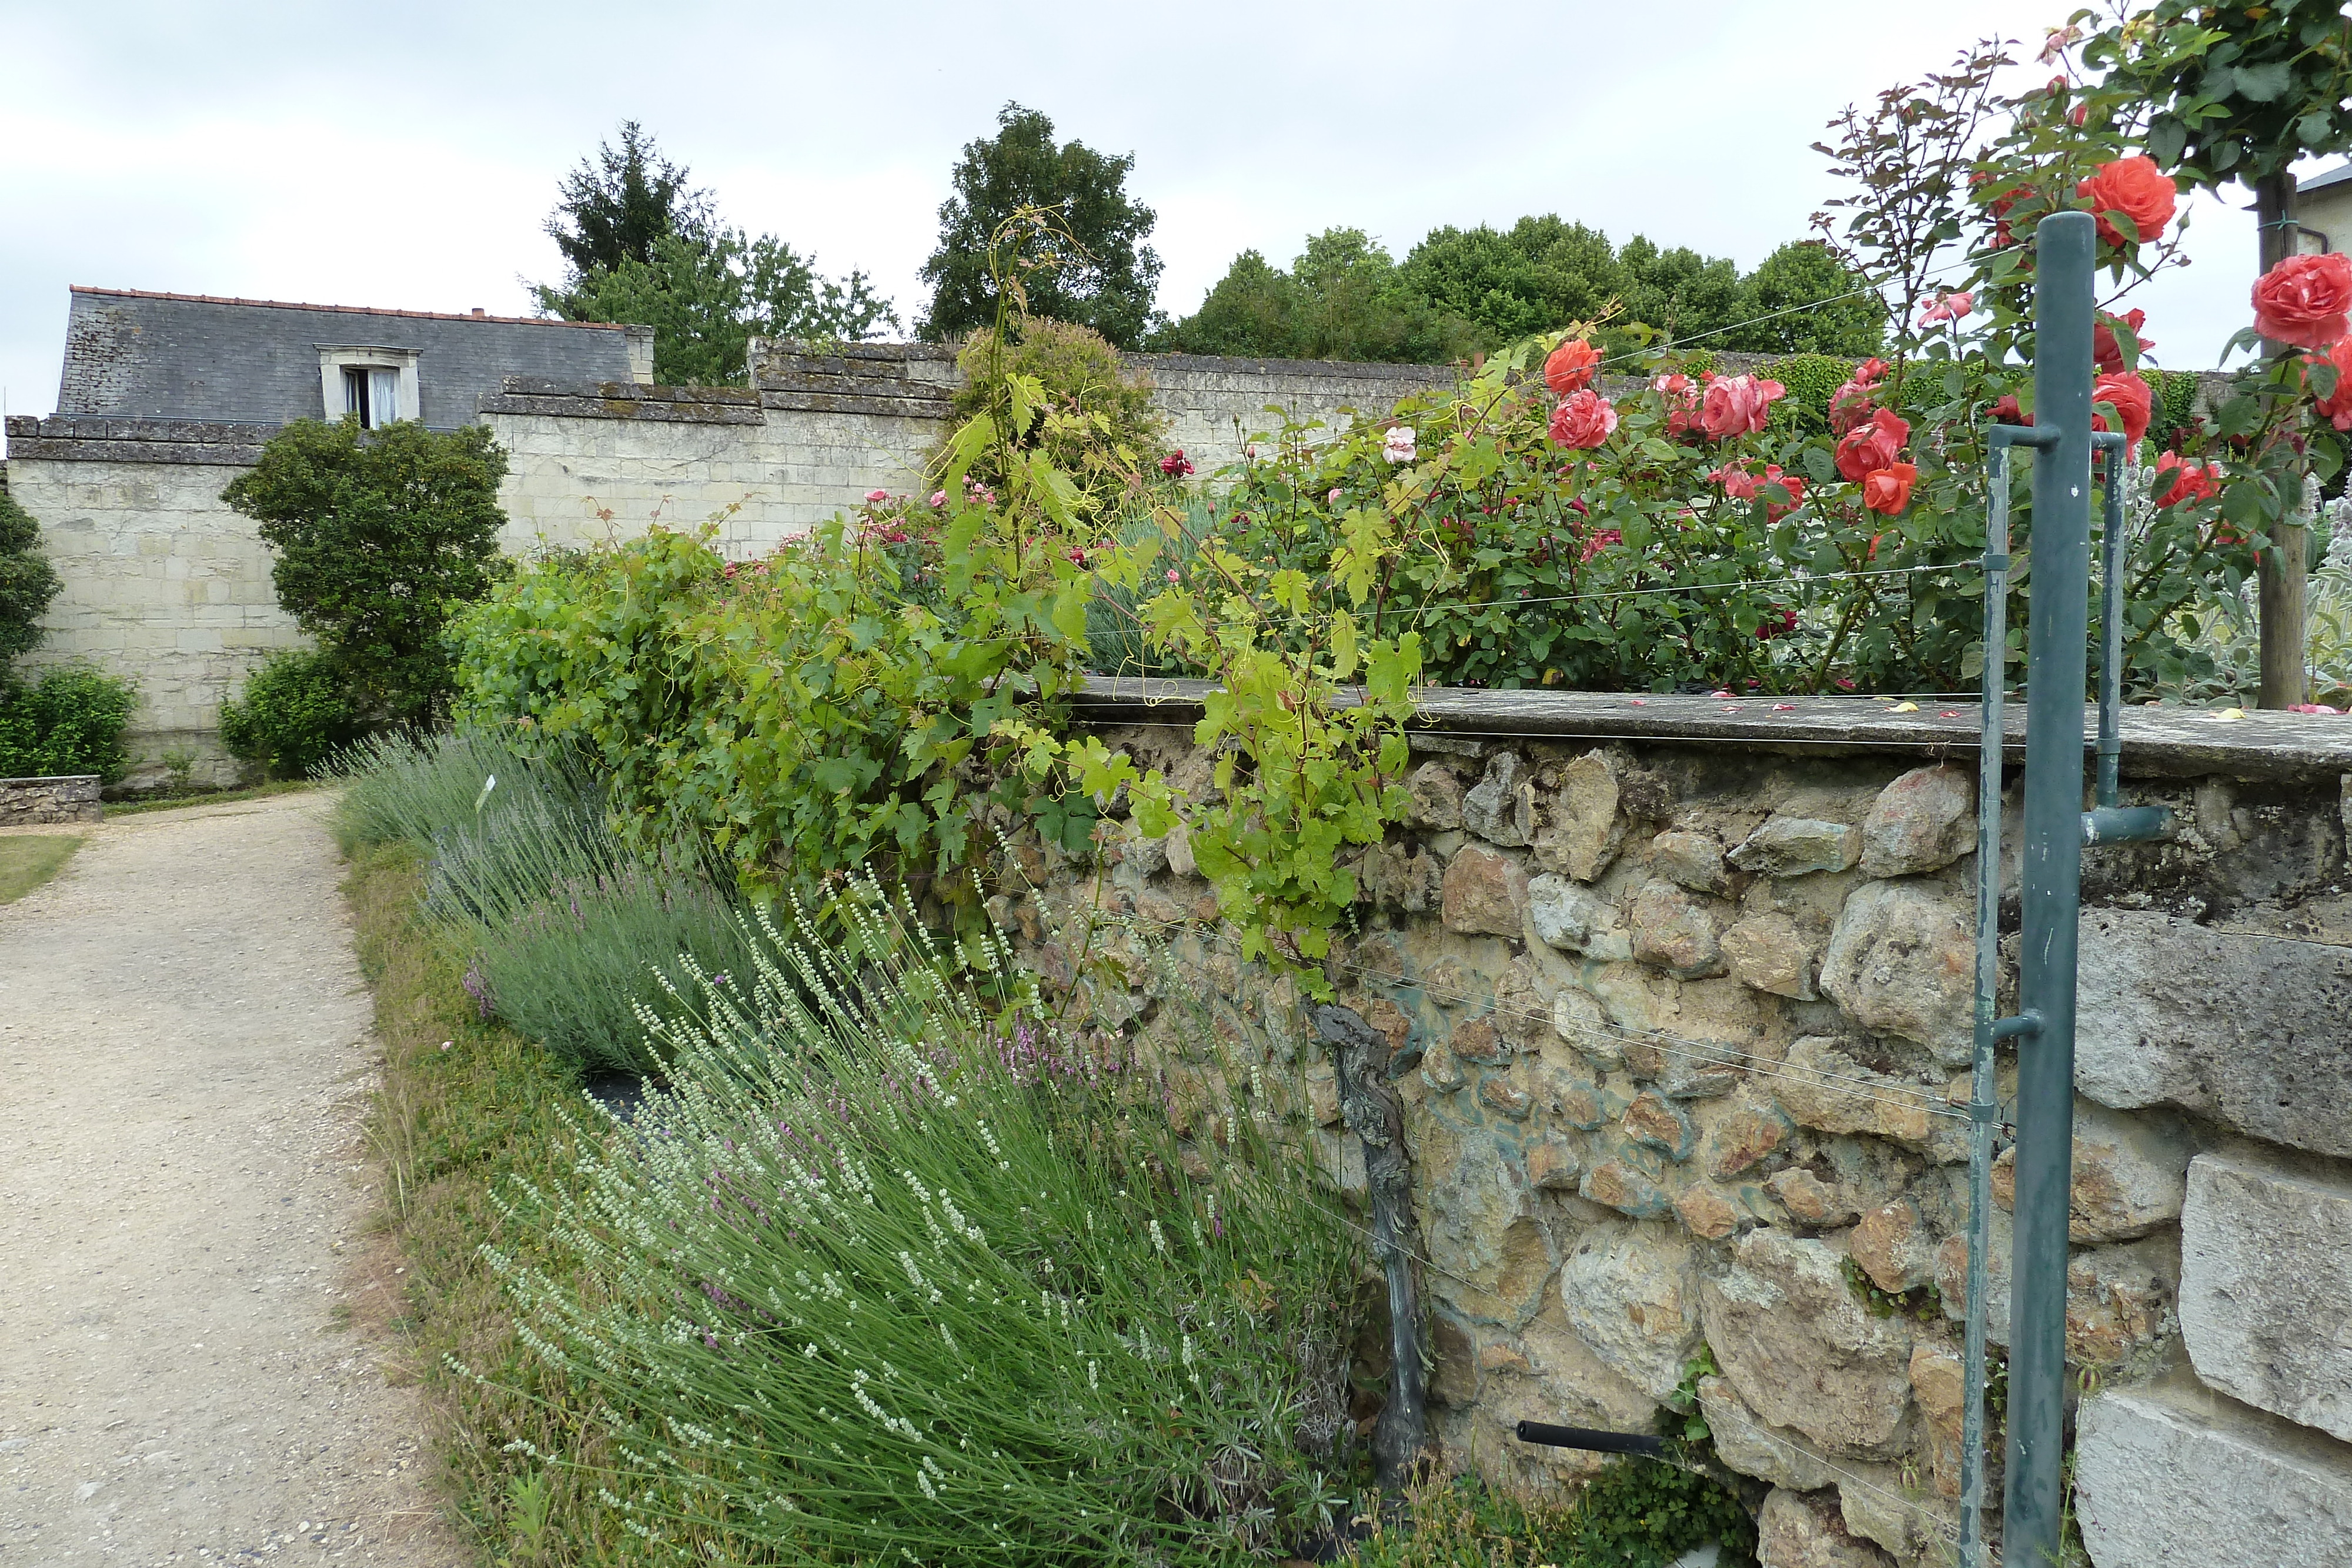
pixel 138 355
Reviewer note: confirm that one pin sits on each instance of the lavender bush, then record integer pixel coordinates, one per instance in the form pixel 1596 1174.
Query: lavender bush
pixel 890 1274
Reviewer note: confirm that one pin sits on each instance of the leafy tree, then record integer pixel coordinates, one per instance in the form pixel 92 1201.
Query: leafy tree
pixel 1105 280
pixel 2240 92
pixel 705 297
pixel 1685 296
pixel 619 206
pixel 1253 312
pixel 1802 299
pixel 1342 299
pixel 27 582
pixel 379 536
pixel 1539 273
pixel 646 247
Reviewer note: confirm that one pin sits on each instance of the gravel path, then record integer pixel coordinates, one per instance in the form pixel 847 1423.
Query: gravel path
pixel 185 1064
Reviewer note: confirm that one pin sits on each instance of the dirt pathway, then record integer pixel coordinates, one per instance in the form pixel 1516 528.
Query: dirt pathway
pixel 184 1070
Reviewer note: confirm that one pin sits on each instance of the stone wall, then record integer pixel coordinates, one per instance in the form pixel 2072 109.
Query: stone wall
pixel 32 802
pixel 1681 1027
pixel 162 582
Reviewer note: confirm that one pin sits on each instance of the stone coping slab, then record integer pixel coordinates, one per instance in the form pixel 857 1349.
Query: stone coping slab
pixel 2170 741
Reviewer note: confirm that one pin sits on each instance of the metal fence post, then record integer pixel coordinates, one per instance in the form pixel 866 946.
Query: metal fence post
pixel 2051 823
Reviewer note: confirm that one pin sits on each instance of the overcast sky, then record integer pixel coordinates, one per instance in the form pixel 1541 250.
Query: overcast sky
pixel 407 156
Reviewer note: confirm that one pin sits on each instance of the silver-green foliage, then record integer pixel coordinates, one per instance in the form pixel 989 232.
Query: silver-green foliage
pixel 887 1274
pixel 569 930
pixel 2226 625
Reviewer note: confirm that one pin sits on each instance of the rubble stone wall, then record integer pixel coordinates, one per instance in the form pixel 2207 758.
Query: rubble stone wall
pixel 36 802
pixel 1682 1033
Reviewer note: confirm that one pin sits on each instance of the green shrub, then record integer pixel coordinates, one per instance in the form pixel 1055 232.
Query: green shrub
pixel 379 535
pixel 27 581
pixel 1811 380
pixel 294 713
pixel 71 721
pixel 887 1274
pixel 1115 431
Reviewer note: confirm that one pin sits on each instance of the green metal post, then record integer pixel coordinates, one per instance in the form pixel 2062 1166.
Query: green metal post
pixel 1983 1095
pixel 2051 884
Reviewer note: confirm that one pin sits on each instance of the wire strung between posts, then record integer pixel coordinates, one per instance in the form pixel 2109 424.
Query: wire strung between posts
pixel 1450 608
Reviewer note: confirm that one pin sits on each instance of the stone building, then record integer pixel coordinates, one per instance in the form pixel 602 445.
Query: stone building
pixel 164 398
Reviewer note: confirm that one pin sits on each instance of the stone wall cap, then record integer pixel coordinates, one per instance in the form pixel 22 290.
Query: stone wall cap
pixel 2162 742
pixel 48 779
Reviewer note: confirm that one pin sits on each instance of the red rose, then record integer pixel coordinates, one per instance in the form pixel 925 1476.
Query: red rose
pixel 2337 406
pixel 1872 444
pixel 2190 481
pixel 2137 189
pixel 2005 411
pixel 1584 418
pixel 1851 402
pixel 1737 405
pixel 1888 490
pixel 1572 366
pixel 2130 397
pixel 1775 624
pixel 2109 352
pixel 2304 299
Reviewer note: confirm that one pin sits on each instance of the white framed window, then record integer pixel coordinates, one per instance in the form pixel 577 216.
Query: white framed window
pixel 378 384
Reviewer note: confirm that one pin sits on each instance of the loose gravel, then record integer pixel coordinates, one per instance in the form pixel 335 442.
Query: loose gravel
pixel 186 1070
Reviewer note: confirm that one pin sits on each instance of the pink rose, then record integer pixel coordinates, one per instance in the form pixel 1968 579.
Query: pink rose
pixel 1947 307
pixel 2304 299
pixel 1737 405
pixel 1872 444
pixel 1681 399
pixel 1853 401
pixel 1584 418
pixel 939 497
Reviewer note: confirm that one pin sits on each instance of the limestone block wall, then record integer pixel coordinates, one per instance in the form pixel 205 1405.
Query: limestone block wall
pixel 1214 404
pixel 1681 1029
pixel 774 459
pixel 162 582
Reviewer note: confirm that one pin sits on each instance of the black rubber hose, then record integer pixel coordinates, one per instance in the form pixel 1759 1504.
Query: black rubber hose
pixel 1592 1441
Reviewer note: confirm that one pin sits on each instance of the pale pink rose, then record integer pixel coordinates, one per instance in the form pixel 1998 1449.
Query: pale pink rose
pixel 939 497
pixel 875 498
pixel 1947 307
pixel 1584 418
pixel 1397 447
